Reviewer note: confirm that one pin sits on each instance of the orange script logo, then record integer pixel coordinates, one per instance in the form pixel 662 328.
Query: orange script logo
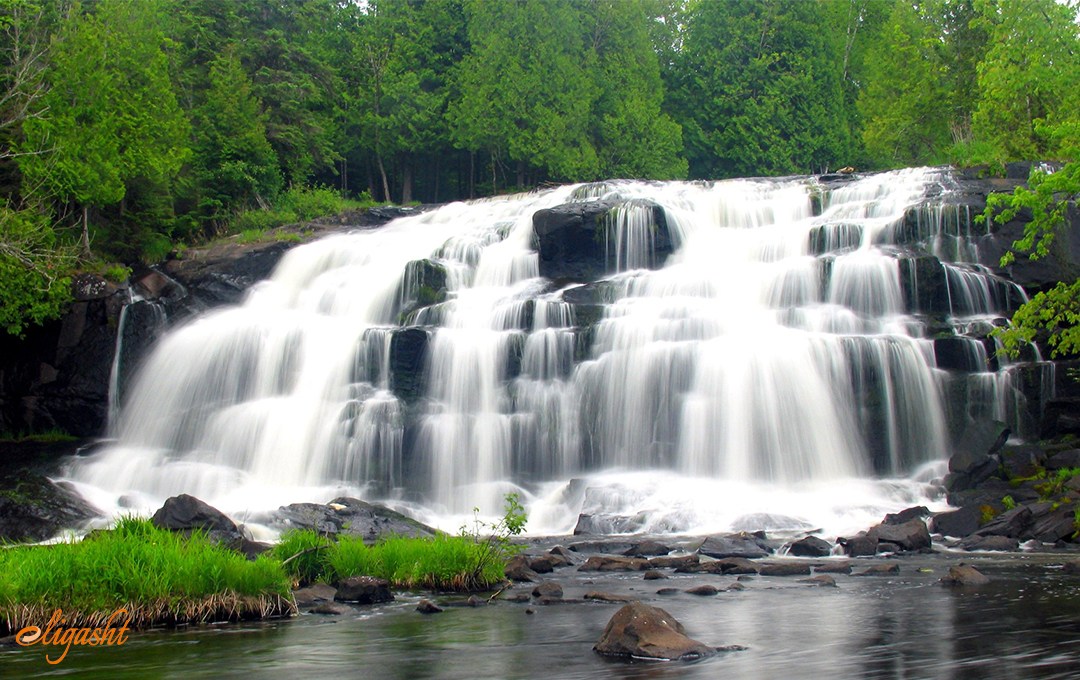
pixel 65 637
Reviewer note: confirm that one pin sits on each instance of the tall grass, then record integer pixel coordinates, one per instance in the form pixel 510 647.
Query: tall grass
pixel 159 576
pixel 451 563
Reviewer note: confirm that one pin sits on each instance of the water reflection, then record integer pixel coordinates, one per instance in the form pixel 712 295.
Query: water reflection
pixel 1026 624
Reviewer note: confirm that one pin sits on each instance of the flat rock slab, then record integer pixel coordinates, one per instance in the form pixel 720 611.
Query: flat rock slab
pixel 964 575
pixel 833 568
pixel 549 590
pixel 607 597
pixel 785 569
pixel 318 592
pixel 33 508
pixel 665 562
pixel 614 563
pixel 363 590
pixel 732 545
pixel 823 580
pixel 704 590
pixel 879 570
pixel 352 517
pixel 642 631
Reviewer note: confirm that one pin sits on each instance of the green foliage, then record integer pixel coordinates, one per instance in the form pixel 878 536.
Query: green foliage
pixel 117 273
pixel 1008 502
pixel 987 513
pixel 53 435
pixel 1055 484
pixel 133 563
pixel 34 266
pixel 1055 312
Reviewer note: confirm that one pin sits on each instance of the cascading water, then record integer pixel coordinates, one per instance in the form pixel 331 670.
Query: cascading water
pixel 760 346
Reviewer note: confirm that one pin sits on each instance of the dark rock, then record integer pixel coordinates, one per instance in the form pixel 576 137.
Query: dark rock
pixel 428 607
pixel 654 575
pixel 614 563
pixel 959 354
pixel 667 591
pixel 1055 525
pixel 520 598
pixel 977 475
pixel 924 284
pixel 606 547
pixel 1071 567
pixel 982 438
pixel 735 587
pixel 859 546
pixel 33 508
pixel 352 517
pixel 665 562
pixel 408 348
pixel 811 546
pixel 641 631
pixel 822 580
pixel 843 567
pixel 884 548
pixel 735 545
pixel 1011 523
pixel 964 575
pixel 905 516
pixel 552 590
pixel 542 565
pixel 474 601
pixel 517 569
pixel 363 590
pixel 785 569
pixel 1001 543
pixel 330 609
pixel 602 525
pixel 736 565
pixel 313 594
pixel 607 597
pixel 571 239
pixel 879 570
pixel 744 578
pixel 560 551
pixel 1022 461
pixel 909 536
pixel 1063 459
pixel 705 589
pixel 185 512
pixel 958 523
pixel 647 549
pixel 530 610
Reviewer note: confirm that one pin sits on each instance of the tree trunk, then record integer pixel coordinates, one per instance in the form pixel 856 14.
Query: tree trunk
pixel 85 233
pixel 385 184
pixel 406 184
pixel 494 179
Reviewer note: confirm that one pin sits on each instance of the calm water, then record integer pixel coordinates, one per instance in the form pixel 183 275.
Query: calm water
pixel 1025 624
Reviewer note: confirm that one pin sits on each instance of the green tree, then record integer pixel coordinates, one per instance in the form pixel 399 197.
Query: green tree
pixel 113 117
pixel 759 90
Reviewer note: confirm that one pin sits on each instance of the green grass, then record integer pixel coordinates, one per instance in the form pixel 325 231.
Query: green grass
pixel 298 204
pixel 449 563
pixel 50 436
pixel 158 575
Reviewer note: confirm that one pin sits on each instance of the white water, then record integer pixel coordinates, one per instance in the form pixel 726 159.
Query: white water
pixel 750 374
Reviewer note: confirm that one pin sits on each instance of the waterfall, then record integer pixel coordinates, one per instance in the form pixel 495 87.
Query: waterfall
pixel 769 335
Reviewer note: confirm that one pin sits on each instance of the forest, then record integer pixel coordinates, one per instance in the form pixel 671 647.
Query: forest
pixel 132 128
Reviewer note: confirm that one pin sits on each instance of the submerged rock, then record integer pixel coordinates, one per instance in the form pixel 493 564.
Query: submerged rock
pixel 428 607
pixel 549 590
pixel 639 630
pixel 879 570
pixel 964 575
pixel 598 596
pixel 33 508
pixel 654 575
pixel 822 580
pixel 665 562
pixel 363 590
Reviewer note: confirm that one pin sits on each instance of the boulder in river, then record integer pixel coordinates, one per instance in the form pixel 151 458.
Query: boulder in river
pixel 910 536
pixel 352 517
pixel 363 590
pixel 33 508
pixel 549 590
pixel 785 569
pixel 614 563
pixel 186 513
pixel 811 546
pixel 964 575
pixel 642 631
pixel 733 545
pixel 517 569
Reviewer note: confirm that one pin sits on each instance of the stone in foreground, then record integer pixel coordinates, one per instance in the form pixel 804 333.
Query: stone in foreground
pixel 641 631
pixel 363 590
pixel 964 575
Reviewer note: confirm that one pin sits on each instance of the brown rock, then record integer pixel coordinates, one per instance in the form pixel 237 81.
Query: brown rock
pixel 517 569
pixel 833 568
pixel 542 565
pixel 964 575
pixel 614 563
pixel 654 575
pixel 703 590
pixel 330 609
pixel 607 597
pixel 428 607
pixel 785 569
pixel 879 570
pixel 667 591
pixel 823 580
pixel 363 590
pixel 674 562
pixel 639 630
pixel 551 590
pixel 317 592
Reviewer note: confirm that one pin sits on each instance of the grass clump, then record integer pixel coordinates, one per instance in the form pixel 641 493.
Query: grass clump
pixel 50 436
pixel 157 575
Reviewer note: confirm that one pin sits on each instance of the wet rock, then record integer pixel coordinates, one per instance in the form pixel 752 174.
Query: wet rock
pixel 561 552
pixel 597 596
pixel 734 587
pixel 884 547
pixel 811 546
pixel 1012 523
pixel 185 513
pixel 606 547
pixel 601 525
pixel 879 570
pixel 728 565
pixel 1064 459
pixel 957 523
pixel 654 575
pixel 33 508
pixel 744 578
pixel 1022 461
pixel 549 590
pixel 408 349
pixel 785 569
pixel 542 565
pixel 363 590
pixel 859 546
pixel 641 631
pixel 1002 543
pixel 666 562
pixel 352 517
pixel 759 522
pixel 732 545
pixel 313 594
pixel 822 580
pixel 667 591
pixel 908 515
pixel 1071 567
pixel 833 568
pixel 704 590
pixel 517 569
pixel 647 549
pixel 1055 525
pixel 980 440
pixel 964 575
pixel 474 601
pixel 519 598
pixel 560 559
pixel 614 563
pixel 530 610
pixel 428 607
pixel 912 535
pixel 330 609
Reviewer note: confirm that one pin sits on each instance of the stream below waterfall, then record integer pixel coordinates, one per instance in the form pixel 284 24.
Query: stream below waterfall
pixel 1024 624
